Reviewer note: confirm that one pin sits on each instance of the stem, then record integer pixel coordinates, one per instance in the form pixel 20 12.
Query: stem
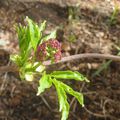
pixel 66 59
pixel 85 55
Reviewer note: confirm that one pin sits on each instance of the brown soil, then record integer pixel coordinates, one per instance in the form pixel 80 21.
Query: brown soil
pixel 92 33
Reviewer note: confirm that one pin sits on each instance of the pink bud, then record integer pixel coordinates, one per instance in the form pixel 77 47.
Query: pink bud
pixel 44 52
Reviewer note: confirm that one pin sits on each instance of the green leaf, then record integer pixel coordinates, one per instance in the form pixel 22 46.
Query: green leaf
pixel 72 38
pixel 23 39
pixel 52 35
pixel 30 35
pixel 16 59
pixel 38 67
pixel 42 26
pixel 29 76
pixel 34 33
pixel 62 98
pixel 104 66
pixel 24 42
pixel 69 75
pixel 77 95
pixel 44 83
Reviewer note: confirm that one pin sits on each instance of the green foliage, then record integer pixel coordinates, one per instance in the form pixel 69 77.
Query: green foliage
pixel 30 36
pixel 28 71
pixel 24 42
pixel 113 17
pixel 69 75
pixel 44 82
pixel 62 97
pixel 62 89
pixel 16 59
pixel 105 65
pixel 73 12
pixel 50 36
pixel 77 95
pixel 72 38
pixel 34 33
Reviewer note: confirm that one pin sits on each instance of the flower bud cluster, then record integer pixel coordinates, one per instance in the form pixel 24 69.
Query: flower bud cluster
pixel 50 49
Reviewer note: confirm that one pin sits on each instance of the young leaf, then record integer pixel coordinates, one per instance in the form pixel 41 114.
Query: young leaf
pixel 62 97
pixel 52 35
pixel 44 83
pixel 69 75
pixel 34 33
pixel 41 30
pixel 23 38
pixel 38 67
pixel 29 76
pixel 70 91
pixel 42 26
pixel 16 59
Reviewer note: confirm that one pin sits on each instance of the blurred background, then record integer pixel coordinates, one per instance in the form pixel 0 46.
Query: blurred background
pixel 83 26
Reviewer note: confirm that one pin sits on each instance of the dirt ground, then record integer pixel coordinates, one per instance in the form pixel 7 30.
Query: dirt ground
pixel 87 31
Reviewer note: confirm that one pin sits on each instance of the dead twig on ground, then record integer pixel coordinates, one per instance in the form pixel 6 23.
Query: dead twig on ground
pixel 72 101
pixel 2 87
pixel 46 103
pixel 100 115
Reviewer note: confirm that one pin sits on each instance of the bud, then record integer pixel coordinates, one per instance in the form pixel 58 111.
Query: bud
pixel 50 49
pixel 41 52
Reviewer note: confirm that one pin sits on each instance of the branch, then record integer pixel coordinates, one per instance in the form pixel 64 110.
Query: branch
pixel 85 55
pixel 14 68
